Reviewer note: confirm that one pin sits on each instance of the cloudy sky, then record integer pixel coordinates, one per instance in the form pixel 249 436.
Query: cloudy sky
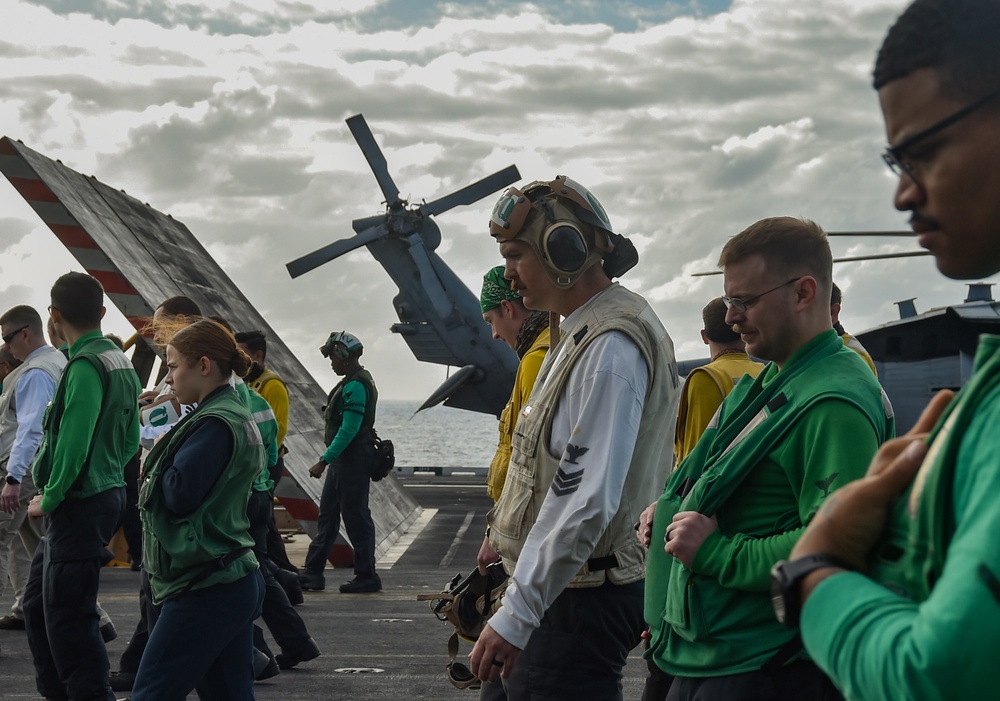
pixel 689 120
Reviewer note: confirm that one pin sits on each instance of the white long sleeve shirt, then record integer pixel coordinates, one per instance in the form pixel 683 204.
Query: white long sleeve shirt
pixel 32 393
pixel 599 411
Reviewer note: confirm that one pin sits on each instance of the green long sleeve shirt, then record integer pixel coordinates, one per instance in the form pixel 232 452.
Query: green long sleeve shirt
pixel 924 625
pixel 764 476
pixel 785 489
pixel 75 439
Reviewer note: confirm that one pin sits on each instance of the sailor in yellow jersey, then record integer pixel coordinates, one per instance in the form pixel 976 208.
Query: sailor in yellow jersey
pixel 706 386
pixel 850 341
pixel 527 333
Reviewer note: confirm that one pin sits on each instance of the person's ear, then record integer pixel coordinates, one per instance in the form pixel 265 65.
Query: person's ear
pixel 508 308
pixel 805 291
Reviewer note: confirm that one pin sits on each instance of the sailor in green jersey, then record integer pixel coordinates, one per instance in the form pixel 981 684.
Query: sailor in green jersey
pixel 196 546
pixel 90 430
pixel 284 622
pixel 919 618
pixel 350 417
pixel 270 385
pixel 777 447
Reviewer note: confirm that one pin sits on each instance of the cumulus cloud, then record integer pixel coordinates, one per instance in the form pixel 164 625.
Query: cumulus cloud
pixel 688 120
pixel 12 231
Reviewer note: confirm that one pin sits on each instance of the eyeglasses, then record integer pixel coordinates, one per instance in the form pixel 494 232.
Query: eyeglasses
pixel 9 337
pixel 895 156
pixel 740 305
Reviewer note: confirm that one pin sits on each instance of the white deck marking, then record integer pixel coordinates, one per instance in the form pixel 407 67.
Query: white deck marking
pixel 399 547
pixel 450 555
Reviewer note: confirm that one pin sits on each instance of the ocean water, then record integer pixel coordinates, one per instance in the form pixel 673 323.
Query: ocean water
pixel 437 437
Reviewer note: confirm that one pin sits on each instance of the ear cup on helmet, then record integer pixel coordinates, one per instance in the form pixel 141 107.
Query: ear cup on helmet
pixel 340 352
pixel 565 247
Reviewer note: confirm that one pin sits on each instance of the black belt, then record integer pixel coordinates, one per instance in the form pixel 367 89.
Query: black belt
pixel 608 562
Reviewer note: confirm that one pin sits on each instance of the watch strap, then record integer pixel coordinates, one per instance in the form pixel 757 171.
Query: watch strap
pixel 786 582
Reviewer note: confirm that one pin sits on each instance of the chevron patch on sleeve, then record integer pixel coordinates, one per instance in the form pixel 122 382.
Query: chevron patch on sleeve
pixel 566 482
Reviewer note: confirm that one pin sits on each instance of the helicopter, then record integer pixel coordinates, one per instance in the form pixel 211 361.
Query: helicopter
pixel 439 317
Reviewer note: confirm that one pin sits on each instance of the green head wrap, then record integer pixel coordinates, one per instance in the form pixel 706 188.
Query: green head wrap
pixel 496 288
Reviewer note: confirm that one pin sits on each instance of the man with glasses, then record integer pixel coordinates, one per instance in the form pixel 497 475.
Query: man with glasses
pixel 592 446
pixel 779 444
pixel 912 610
pixel 27 391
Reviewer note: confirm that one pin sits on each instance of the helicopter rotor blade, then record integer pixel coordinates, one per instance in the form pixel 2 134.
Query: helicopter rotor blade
pixel 883 256
pixel 376 160
pixel 848 259
pixel 908 234
pixel 313 260
pixel 465 375
pixel 366 223
pixel 431 281
pixel 472 193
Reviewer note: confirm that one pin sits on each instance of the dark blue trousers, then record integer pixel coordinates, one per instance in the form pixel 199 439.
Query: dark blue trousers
pixel 282 620
pixel 581 646
pixel 345 493
pixel 60 598
pixel 203 640
pixel 148 613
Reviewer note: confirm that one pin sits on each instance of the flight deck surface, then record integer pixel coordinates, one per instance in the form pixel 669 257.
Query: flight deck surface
pixel 389 632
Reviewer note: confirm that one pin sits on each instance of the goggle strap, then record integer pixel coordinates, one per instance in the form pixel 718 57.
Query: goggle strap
pixel 509 214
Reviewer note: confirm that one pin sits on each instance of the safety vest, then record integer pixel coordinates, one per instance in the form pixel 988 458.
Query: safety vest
pixel 725 371
pixel 923 521
pixel 178 549
pixel 116 435
pixel 46 358
pixel 334 412
pixel 532 468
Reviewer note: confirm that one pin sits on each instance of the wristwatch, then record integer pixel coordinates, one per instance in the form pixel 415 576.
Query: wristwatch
pixel 11 479
pixel 786 584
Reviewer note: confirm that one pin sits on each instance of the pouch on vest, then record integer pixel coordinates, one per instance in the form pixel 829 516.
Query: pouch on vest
pixel 467 603
pixel 381 457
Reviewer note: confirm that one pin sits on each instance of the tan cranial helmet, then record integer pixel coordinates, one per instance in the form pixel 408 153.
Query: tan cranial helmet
pixel 566 226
